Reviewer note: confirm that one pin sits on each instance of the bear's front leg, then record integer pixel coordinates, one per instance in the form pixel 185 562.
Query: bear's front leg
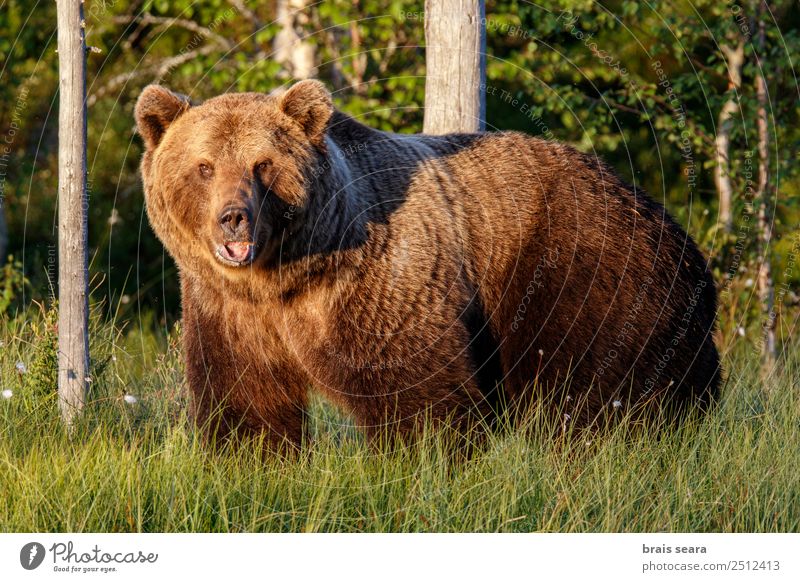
pixel 240 387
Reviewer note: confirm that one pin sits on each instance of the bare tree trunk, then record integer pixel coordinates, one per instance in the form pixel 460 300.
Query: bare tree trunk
pixel 73 279
pixel 722 178
pixel 291 51
pixel 766 291
pixel 359 60
pixel 455 57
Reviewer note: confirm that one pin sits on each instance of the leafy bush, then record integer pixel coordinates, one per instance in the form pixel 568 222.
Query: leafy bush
pixel 12 281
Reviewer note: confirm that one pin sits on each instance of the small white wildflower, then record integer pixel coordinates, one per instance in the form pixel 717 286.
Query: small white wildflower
pixel 7 393
pixel 617 404
pixel 569 397
pixel 130 399
pixel 21 369
pixel 740 330
pixel 125 299
pixel 671 382
pixel 748 283
pixel 113 358
pixel 114 217
pixel 541 352
pixel 705 212
pixel 567 417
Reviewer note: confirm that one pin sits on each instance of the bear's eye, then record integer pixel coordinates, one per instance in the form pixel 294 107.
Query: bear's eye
pixel 263 166
pixel 205 170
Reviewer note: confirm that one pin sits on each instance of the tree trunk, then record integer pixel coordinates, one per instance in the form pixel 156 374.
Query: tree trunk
pixel 291 51
pixel 455 59
pixel 722 178
pixel 766 291
pixel 73 279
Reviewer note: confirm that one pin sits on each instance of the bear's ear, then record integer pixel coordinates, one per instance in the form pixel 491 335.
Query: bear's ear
pixel 156 108
pixel 309 103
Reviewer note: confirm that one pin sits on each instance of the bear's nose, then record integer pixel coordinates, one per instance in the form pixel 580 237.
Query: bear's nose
pixel 235 221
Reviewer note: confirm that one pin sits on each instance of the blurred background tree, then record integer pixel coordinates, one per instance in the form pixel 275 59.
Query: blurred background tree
pixel 665 91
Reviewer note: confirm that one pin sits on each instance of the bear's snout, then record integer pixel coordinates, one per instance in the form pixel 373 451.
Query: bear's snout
pixel 235 223
pixel 237 246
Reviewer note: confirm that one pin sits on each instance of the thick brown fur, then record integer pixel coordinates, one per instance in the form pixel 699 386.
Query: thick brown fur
pixel 406 276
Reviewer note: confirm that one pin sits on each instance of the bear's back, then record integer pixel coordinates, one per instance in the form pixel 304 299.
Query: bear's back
pixel 580 277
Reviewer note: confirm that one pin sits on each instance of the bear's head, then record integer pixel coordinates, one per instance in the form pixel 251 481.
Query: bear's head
pixel 225 179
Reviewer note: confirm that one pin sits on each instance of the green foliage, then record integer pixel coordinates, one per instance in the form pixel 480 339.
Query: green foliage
pixel 12 282
pixel 599 75
pixel 39 359
pixel 41 378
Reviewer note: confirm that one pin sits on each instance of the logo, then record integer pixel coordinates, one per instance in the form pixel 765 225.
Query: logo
pixel 31 555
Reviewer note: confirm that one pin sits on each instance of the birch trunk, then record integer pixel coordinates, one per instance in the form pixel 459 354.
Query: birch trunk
pixel 722 178
pixel 291 51
pixel 766 291
pixel 455 60
pixel 73 308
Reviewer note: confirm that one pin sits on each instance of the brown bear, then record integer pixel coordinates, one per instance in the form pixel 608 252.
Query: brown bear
pixel 412 276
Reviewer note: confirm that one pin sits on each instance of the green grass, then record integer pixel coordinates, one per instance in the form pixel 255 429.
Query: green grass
pixel 142 468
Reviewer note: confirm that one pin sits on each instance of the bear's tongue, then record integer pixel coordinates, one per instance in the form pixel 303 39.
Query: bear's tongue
pixel 238 251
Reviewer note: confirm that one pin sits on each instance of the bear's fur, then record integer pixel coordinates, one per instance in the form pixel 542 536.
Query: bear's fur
pixel 410 276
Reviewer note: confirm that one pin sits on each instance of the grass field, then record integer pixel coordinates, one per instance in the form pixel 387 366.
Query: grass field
pixel 139 466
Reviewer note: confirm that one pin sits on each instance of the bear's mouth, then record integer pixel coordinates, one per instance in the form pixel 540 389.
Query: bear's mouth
pixel 236 253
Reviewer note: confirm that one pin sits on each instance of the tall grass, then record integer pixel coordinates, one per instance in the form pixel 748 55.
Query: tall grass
pixel 141 467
